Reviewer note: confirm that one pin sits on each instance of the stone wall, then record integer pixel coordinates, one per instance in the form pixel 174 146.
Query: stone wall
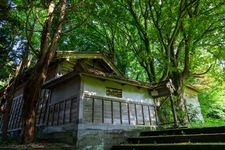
pixel 103 137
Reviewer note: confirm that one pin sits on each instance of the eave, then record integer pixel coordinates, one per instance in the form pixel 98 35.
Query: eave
pixel 161 87
pixel 68 55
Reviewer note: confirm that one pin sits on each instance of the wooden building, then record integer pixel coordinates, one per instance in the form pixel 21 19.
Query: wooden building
pixel 87 101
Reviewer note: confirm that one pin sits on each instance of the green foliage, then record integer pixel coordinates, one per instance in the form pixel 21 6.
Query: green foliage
pixel 147 41
pixel 212 102
pixel 217 112
pixel 165 113
pixel 11 43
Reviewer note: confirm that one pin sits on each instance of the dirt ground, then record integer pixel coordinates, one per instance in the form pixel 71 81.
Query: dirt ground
pixel 38 146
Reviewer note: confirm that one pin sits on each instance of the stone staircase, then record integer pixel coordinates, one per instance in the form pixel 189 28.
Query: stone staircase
pixel 210 138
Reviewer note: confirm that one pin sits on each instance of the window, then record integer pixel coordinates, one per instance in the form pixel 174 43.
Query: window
pixel 114 92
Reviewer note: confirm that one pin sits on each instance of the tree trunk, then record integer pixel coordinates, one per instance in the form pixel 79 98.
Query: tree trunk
pixel 178 81
pixel 6 116
pixel 32 89
pixel 31 95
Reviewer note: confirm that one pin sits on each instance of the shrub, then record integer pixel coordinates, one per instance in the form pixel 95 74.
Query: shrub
pixel 217 112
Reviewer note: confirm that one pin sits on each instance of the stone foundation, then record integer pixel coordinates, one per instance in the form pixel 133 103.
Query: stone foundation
pixel 103 137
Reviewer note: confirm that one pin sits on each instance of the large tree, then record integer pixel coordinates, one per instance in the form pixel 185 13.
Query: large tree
pixel 50 35
pixel 42 23
pixel 173 34
pixel 166 38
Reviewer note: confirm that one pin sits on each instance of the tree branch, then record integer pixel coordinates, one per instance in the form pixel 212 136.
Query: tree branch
pixel 202 73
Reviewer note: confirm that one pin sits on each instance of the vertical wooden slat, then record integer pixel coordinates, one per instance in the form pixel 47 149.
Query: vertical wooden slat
pixel 12 113
pixel 64 112
pixel 112 110
pixel 58 113
pixel 74 110
pixel 124 110
pixel 53 113
pixel 93 110
pixel 19 112
pixel 121 119
pixel 149 112
pixel 139 114
pixel 15 114
pixel 128 109
pixel 42 109
pixel 38 110
pixel 135 109
pixel 49 111
pixel 46 105
pixel 98 111
pixel 40 119
pixel 61 105
pixel 143 115
pixel 116 112
pixel 156 117
pixel 132 114
pixel 87 110
pixel 107 112
pixel 103 110
pixel 146 115
pixel 40 106
pixel 71 108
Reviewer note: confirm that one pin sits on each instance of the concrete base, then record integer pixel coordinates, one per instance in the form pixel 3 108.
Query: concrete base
pixel 103 137
pixel 92 136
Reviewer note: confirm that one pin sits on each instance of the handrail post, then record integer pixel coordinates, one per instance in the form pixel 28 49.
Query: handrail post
pixel 174 111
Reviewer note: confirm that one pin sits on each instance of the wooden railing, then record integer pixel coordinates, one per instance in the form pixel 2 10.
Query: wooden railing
pixel 15 121
pixel 100 110
pixel 59 113
pixel 42 109
pixel 62 112
pixel 16 113
pixel 116 111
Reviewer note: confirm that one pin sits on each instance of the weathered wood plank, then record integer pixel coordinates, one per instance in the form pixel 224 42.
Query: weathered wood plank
pixel 67 112
pixel 98 111
pixel 116 113
pixel 87 110
pixel 124 113
pixel 107 112
pixel 153 119
pixel 146 115
pixel 74 110
pixel 132 114
pixel 139 114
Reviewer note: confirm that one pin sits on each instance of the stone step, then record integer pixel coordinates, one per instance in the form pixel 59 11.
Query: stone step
pixel 211 138
pixel 61 137
pixel 193 138
pixel 180 146
pixel 181 131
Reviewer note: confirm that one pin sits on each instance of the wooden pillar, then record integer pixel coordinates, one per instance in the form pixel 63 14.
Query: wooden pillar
pixel 174 111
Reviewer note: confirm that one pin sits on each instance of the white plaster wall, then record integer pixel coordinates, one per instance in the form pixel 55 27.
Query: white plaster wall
pixel 97 87
pixel 193 106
